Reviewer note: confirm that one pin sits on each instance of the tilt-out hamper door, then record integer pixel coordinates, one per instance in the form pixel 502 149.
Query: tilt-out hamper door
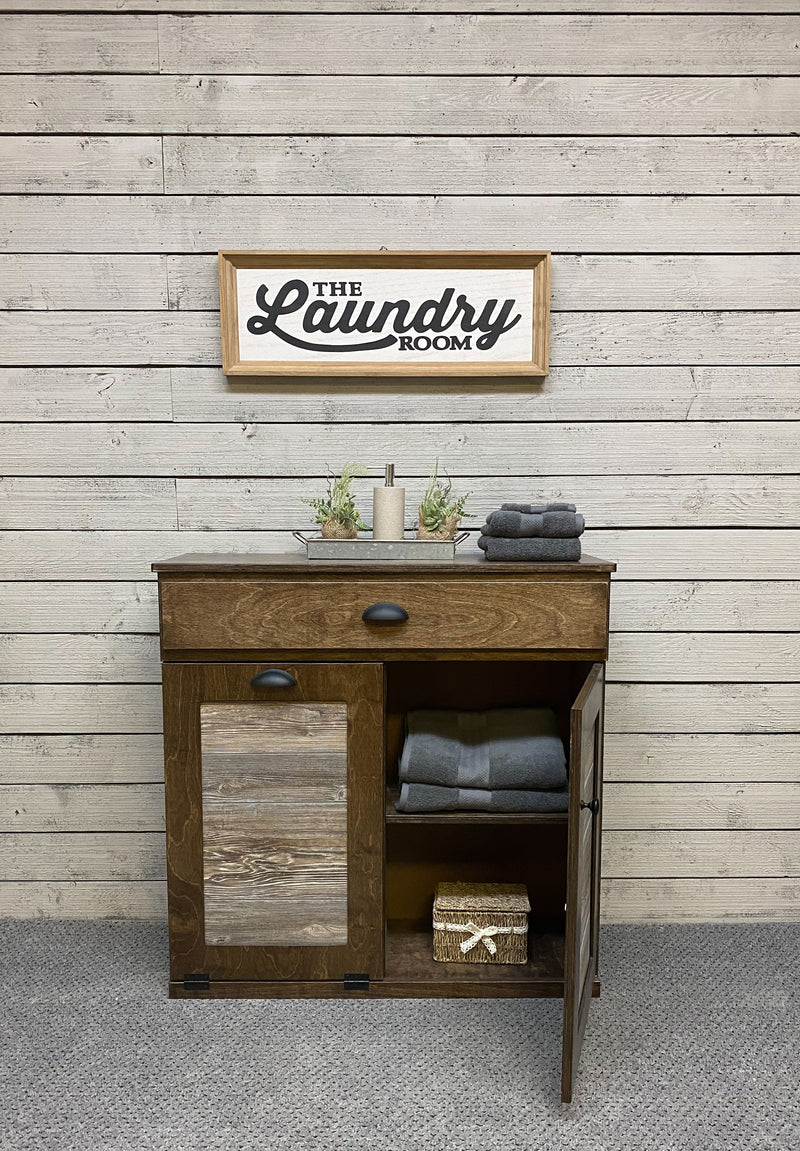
pixel 583 869
pixel 274 793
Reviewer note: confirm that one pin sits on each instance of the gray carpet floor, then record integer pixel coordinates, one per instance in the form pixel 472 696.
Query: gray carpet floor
pixel 694 1045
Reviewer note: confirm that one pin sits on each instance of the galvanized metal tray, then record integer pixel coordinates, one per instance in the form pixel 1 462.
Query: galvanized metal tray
pixel 433 551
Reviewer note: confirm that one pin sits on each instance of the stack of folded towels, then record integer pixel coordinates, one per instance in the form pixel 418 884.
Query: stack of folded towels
pixel 504 759
pixel 532 532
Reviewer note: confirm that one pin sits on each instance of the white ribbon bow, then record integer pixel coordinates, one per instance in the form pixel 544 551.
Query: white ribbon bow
pixel 479 934
pixel 482 934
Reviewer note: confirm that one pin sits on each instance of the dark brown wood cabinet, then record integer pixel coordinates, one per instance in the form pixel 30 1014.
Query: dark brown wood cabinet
pixel 290 872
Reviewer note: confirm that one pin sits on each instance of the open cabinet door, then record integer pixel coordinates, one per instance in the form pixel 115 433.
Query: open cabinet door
pixel 583 869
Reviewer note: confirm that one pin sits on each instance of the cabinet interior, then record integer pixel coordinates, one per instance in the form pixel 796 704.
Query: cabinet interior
pixel 424 849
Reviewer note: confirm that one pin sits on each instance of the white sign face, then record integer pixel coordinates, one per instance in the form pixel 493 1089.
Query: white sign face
pixel 392 315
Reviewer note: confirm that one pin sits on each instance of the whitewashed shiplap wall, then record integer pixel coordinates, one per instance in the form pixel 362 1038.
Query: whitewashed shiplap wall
pixel 652 149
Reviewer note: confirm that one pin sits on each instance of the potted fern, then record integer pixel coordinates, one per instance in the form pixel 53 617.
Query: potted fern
pixel 439 515
pixel 337 514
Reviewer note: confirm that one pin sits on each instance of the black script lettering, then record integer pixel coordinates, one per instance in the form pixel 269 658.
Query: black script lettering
pixel 494 329
pixel 284 305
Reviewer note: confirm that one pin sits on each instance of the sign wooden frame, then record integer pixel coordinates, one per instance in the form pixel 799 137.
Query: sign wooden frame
pixel 485 311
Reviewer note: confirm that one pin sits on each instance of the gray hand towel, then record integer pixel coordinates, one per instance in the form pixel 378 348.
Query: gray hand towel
pixel 530 550
pixel 537 509
pixel 423 797
pixel 519 525
pixel 506 747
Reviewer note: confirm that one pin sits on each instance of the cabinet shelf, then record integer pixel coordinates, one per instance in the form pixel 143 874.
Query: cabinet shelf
pixel 410 965
pixel 548 818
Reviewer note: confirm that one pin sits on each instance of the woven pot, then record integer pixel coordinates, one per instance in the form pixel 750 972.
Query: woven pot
pixel 447 531
pixel 335 530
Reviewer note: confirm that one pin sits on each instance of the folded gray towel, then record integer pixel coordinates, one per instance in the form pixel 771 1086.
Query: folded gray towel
pixel 521 525
pixel 504 747
pixel 537 509
pixel 530 550
pixel 423 797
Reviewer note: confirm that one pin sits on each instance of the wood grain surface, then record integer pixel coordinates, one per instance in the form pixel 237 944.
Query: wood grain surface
pixel 274 823
pixel 443 614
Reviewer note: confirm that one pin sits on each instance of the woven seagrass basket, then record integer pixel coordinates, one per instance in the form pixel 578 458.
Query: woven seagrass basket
pixel 480 923
pixel 333 530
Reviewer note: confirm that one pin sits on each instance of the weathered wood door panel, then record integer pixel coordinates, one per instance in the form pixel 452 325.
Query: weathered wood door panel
pixel 583 870
pixel 275 811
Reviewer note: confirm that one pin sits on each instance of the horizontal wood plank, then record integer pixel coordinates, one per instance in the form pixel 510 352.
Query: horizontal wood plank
pixel 694 854
pixel 700 758
pixel 527 45
pixel 579 283
pixel 77 855
pixel 60 282
pixel 67 899
pixel 123 282
pixel 565 224
pixel 577 338
pixel 74 43
pixel 366 165
pixel 680 554
pixel 82 659
pixel 681 806
pixel 499 449
pixel 728 657
pixel 683 393
pixel 709 707
pixel 432 105
pixel 655 501
pixel 700 900
pixel 31 759
pixel 62 393
pixel 680 605
pixel 703 657
pixel 72 606
pixel 88 503
pixel 739 7
pixel 109 164
pixel 85 807
pixel 687 554
pixel 79 708
pixel 706 605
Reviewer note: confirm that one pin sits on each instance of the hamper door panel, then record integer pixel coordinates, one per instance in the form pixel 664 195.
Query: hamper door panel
pixel 274 835
pixel 274 821
pixel 583 870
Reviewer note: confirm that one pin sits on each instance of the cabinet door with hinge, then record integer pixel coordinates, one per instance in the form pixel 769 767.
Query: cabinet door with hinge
pixel 583 869
pixel 274 795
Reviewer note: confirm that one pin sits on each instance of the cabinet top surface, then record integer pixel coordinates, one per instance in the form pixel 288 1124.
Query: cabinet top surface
pixel 296 563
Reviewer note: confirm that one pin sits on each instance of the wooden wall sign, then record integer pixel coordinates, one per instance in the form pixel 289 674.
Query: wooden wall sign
pixel 384 314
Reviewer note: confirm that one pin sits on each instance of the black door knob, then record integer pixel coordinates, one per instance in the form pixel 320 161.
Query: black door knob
pixel 273 677
pixel 385 613
pixel 593 805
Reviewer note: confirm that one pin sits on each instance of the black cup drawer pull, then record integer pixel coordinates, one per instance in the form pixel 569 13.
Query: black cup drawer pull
pixel 593 805
pixel 385 613
pixel 273 677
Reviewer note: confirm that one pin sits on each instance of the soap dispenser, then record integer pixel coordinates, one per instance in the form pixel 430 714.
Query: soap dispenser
pixel 388 509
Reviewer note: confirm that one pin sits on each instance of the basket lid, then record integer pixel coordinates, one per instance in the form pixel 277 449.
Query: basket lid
pixel 481 897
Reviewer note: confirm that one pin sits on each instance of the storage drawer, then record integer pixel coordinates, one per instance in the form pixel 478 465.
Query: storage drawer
pixel 446 614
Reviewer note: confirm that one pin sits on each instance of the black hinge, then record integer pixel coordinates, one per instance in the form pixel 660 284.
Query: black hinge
pixel 358 981
pixel 196 981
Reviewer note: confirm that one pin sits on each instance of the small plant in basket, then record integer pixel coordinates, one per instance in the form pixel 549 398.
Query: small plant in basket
pixel 337 514
pixel 439 515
